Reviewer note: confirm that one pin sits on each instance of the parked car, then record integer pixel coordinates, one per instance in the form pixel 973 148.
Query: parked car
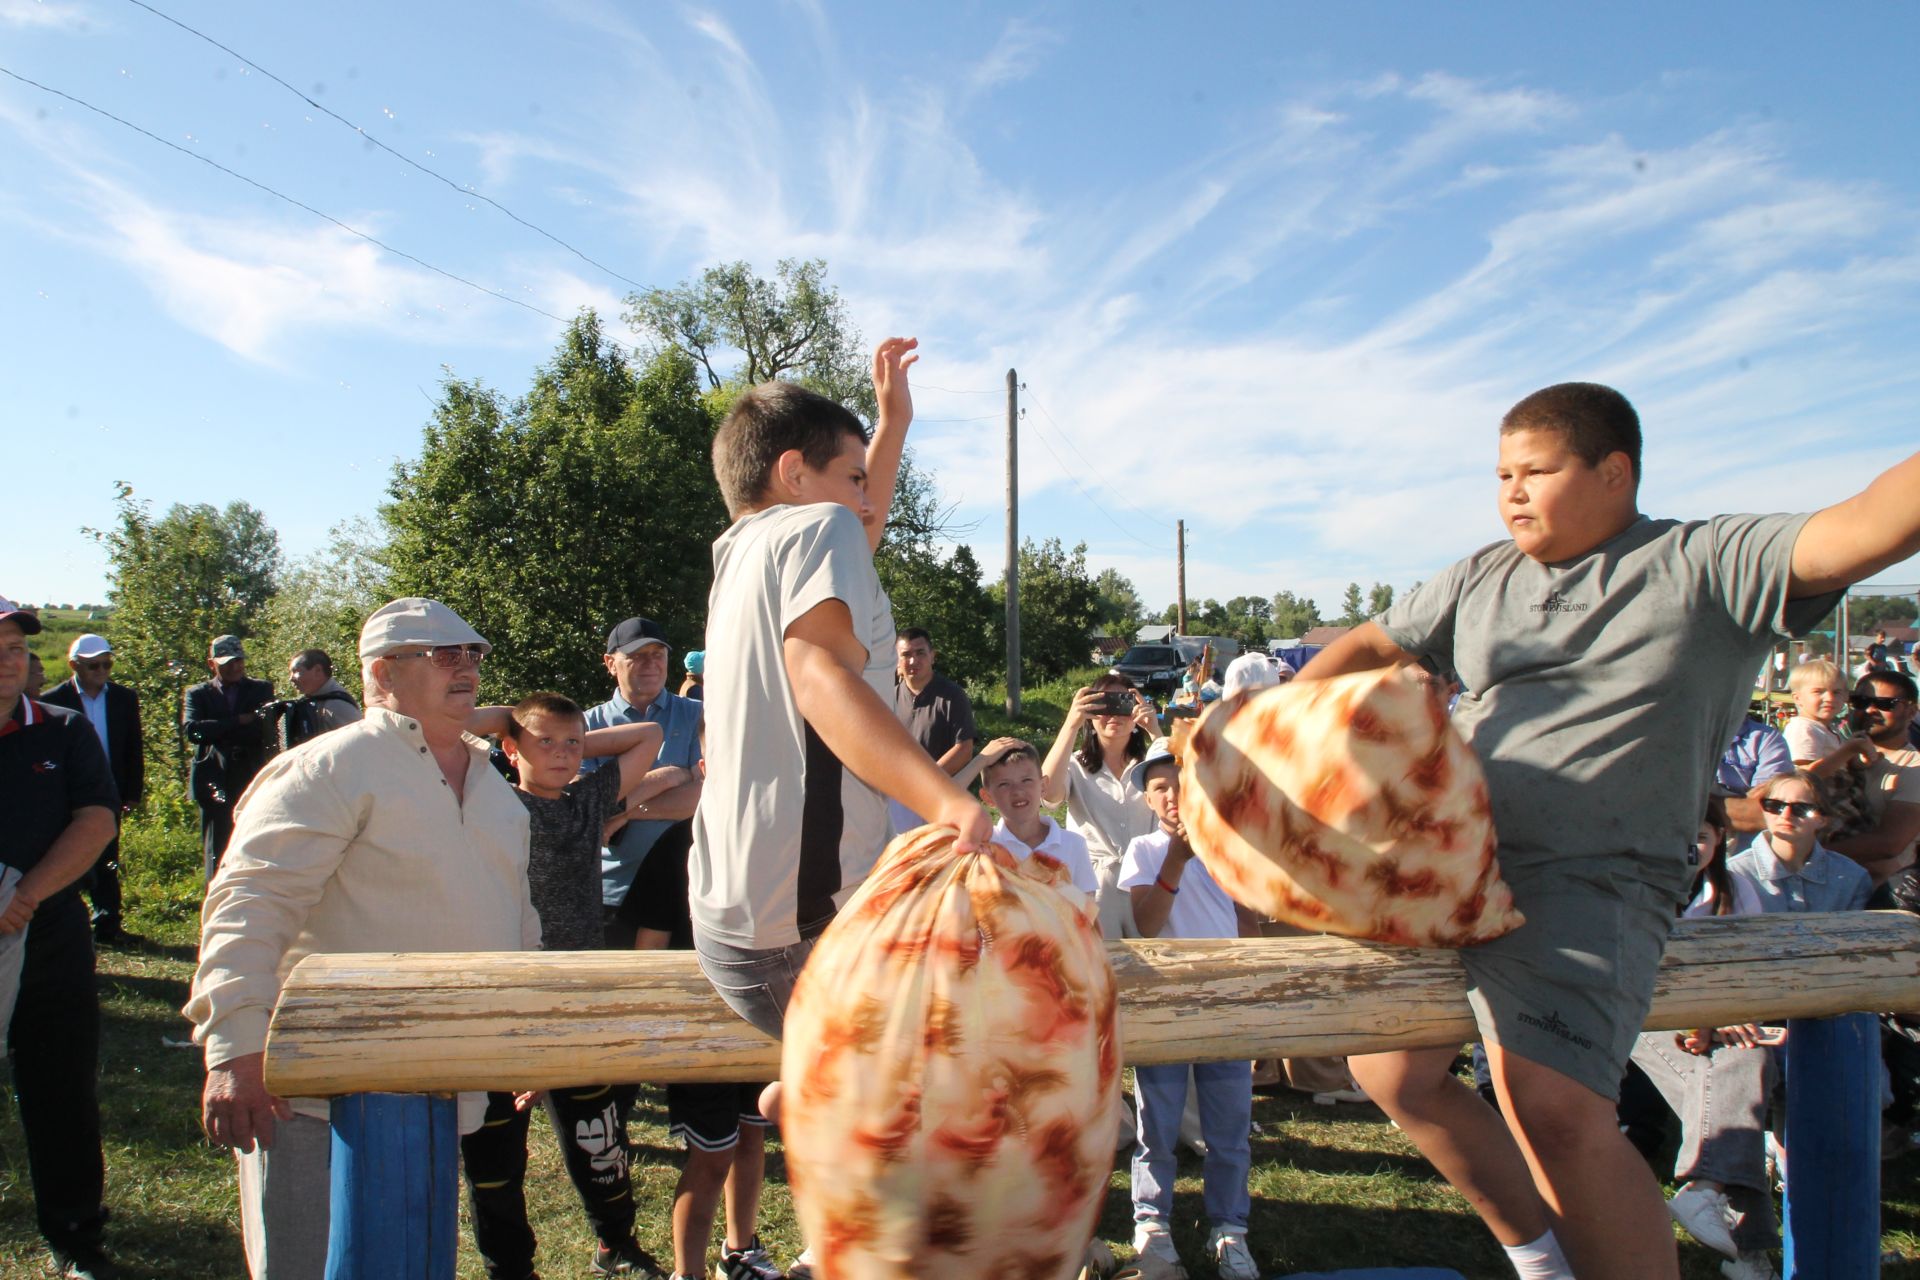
pixel 1153 668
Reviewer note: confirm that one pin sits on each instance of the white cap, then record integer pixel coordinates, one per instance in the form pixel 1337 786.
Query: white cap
pixel 88 646
pixel 414 621
pixel 1248 672
pixel 1162 749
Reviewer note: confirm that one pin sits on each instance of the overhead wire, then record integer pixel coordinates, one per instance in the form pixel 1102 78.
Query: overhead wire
pixel 465 189
pixel 1116 490
pixel 1095 502
pixel 281 195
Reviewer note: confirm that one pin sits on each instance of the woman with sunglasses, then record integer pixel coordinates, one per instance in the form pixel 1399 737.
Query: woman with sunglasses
pixel 1720 1081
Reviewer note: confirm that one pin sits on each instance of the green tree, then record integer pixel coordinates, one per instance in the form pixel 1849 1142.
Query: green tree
pixel 1379 600
pixel 1121 612
pixel 1353 609
pixel 942 593
pixel 324 599
pixel 1059 606
pixel 792 326
pixel 545 521
pixel 1293 616
pixel 181 579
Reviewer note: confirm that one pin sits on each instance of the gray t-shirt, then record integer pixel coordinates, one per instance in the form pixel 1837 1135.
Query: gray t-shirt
pixel 1600 692
pixel 563 858
pixel 784 832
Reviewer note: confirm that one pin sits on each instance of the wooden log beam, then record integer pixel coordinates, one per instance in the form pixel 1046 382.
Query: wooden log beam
pixel 424 1023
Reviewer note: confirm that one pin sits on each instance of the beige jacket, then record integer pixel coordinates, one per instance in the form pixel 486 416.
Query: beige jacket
pixel 354 842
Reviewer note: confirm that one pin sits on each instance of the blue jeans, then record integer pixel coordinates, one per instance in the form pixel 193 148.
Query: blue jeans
pixel 1226 1116
pixel 755 984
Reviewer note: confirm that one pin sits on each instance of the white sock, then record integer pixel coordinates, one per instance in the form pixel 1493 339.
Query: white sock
pixel 1539 1259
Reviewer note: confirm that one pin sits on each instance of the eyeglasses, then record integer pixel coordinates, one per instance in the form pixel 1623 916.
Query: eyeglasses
pixel 97 664
pixel 450 655
pixel 1862 701
pixel 1798 808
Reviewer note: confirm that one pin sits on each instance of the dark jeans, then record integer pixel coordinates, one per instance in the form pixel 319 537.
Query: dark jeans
pixel 102 884
pixel 589 1121
pixel 54 1045
pixel 216 828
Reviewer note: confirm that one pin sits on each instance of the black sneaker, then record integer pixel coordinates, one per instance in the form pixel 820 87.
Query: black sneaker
pixel 86 1264
pixel 750 1263
pixel 626 1259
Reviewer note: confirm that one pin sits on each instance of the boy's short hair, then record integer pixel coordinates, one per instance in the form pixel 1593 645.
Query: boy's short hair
pixel 764 423
pixel 916 633
pixel 547 704
pixel 1025 751
pixel 1815 673
pixel 1593 420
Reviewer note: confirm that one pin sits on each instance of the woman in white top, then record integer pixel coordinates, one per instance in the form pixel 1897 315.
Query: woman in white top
pixel 1104 807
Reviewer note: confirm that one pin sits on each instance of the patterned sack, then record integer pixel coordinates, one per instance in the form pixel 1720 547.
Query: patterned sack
pixel 1348 806
pixel 952 1071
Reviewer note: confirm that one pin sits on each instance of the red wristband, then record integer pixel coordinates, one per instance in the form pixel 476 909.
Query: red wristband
pixel 1162 884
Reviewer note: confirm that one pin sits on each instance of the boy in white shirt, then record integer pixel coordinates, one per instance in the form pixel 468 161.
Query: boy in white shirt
pixel 1174 897
pixel 1010 777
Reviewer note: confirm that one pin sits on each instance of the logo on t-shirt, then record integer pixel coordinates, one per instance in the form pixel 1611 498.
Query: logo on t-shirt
pixel 1557 603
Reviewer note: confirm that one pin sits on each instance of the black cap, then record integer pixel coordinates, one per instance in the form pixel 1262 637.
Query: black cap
pixel 633 634
pixel 25 619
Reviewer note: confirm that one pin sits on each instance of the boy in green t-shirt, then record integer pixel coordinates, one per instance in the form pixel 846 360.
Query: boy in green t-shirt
pixel 1607 658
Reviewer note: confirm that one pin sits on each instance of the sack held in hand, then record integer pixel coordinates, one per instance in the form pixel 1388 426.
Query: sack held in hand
pixel 1349 806
pixel 952 1071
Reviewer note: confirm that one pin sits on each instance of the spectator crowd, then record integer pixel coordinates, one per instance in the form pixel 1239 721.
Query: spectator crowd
pixel 429 822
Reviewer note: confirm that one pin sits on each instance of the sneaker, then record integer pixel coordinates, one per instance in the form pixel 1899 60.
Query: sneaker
pixel 1750 1266
pixel 1334 1097
pixel 1151 1237
pixel 750 1263
pixel 87 1264
pixel 802 1268
pixel 1704 1213
pixel 626 1259
pixel 1230 1255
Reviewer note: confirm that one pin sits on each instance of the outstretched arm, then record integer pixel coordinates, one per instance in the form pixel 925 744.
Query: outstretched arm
pixel 1365 648
pixel 1851 540
pixel 895 400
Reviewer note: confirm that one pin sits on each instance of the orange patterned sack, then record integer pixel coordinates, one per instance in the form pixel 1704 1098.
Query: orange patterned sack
pixel 1349 806
pixel 952 1071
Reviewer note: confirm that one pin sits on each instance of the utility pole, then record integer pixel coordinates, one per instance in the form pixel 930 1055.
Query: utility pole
pixel 1180 575
pixel 1013 546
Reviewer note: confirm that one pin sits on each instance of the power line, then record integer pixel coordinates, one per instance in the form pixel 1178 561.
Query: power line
pixel 281 195
pixel 465 189
pixel 1093 501
pixel 1116 490
pixel 952 391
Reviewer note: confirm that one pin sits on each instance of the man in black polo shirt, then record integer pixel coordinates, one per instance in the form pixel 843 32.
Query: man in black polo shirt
pixel 59 803
pixel 935 710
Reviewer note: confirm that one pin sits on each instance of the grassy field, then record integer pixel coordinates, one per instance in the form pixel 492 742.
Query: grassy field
pixel 1331 1187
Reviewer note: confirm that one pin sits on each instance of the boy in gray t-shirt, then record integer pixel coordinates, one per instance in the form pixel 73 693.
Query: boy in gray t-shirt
pixel 1607 659
pixel 803 748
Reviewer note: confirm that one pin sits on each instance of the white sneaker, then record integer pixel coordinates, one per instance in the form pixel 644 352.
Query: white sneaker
pixel 1750 1266
pixel 802 1268
pixel 1705 1213
pixel 1152 1237
pixel 1230 1255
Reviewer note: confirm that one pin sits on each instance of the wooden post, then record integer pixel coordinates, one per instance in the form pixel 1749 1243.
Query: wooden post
pixel 1180 578
pixel 1833 1148
pixel 395 1187
pixel 534 1020
pixel 1013 546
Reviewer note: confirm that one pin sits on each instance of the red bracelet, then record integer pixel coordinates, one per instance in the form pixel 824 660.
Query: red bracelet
pixel 1162 884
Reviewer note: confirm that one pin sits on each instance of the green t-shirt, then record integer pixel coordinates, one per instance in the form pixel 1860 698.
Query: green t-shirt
pixel 1602 691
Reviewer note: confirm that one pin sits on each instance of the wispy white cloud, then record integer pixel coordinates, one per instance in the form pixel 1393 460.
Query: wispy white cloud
pixel 1017 54
pixel 47 14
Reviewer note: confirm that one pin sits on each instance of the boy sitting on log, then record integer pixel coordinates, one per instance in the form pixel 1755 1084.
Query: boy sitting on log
pixel 1607 659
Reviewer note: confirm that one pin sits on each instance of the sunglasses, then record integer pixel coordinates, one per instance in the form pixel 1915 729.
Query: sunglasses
pixel 450 655
pixel 1798 808
pixel 97 664
pixel 1862 701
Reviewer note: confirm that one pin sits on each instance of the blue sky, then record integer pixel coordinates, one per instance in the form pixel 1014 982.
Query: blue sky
pixel 1271 268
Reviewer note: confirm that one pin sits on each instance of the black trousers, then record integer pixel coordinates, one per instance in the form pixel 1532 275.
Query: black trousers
pixel 53 1043
pixel 216 828
pixel 102 884
pixel 589 1120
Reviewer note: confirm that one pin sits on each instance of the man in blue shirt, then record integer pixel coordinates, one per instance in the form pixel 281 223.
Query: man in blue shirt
pixel 661 829
pixel 1757 754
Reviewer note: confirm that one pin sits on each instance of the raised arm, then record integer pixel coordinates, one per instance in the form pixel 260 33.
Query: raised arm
pixel 1365 648
pixel 895 401
pixel 1851 540
pixel 1053 771
pixel 490 722
pixel 636 745
pixel 824 661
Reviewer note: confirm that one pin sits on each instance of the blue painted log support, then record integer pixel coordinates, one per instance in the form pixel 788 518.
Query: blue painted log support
pixel 1833 1148
pixel 395 1188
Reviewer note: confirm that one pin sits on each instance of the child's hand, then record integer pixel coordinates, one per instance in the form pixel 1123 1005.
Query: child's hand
pixel 999 747
pixel 521 1101
pixel 890 390
pixel 1179 848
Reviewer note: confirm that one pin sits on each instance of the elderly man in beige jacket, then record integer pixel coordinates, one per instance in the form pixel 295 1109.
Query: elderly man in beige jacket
pixel 393 834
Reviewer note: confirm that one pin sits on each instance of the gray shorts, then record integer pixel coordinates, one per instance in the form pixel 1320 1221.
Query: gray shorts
pixel 1570 988
pixel 755 984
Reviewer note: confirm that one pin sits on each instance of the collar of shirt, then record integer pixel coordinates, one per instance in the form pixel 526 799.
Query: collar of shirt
pixel 24 714
pixel 652 710
pixel 1003 834
pixel 1775 871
